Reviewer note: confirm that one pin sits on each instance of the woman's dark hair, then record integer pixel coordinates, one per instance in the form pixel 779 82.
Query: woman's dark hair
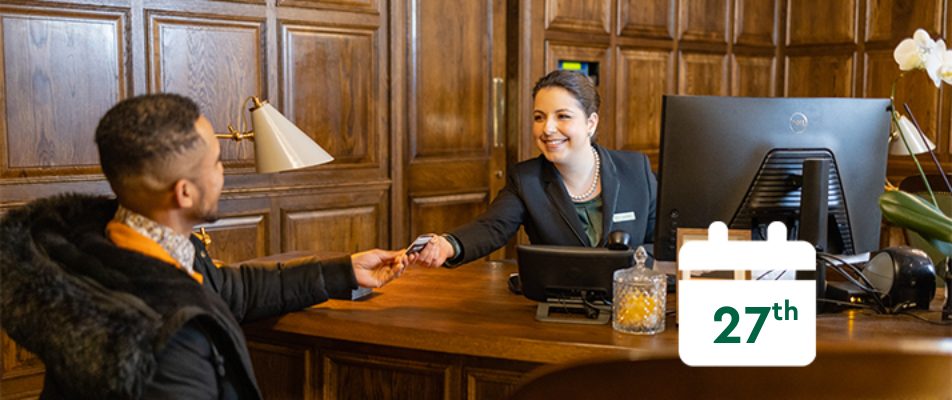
pixel 580 86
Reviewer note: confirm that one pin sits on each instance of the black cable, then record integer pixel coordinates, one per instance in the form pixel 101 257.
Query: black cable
pixel 919 317
pixel 844 274
pixel 851 279
pixel 851 265
pixel 881 307
pixel 846 304
pixel 869 288
pixel 763 275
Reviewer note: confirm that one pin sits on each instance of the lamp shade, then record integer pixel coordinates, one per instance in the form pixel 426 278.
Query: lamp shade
pixel 916 144
pixel 280 145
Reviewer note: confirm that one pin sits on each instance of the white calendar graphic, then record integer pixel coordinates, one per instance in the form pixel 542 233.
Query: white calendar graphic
pixel 766 322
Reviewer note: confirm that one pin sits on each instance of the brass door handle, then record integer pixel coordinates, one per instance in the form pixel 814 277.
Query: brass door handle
pixel 499 108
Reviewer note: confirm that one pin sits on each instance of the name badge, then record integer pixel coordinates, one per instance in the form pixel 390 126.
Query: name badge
pixel 622 217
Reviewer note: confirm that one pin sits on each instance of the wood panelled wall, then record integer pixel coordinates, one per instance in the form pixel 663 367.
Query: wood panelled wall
pixel 324 63
pixel 405 95
pixel 793 48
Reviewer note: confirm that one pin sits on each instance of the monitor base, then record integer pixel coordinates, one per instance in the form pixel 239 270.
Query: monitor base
pixel 571 311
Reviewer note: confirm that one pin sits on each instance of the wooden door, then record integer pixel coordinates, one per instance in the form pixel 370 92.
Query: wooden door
pixel 454 69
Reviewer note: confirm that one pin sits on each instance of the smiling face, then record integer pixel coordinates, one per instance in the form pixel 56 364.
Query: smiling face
pixel 560 127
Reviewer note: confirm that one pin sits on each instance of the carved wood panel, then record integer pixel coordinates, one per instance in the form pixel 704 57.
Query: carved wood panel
pixel 441 213
pixel 59 72
pixel 340 229
pixel 283 372
pixel 704 20
pixel 490 384
pixel 702 74
pixel 755 22
pixel 579 15
pixel 368 6
pixel 216 62
pixel 644 76
pixel 238 237
pixel 343 222
pixel 914 88
pixel 819 76
pixel 355 376
pixel 821 21
pixel 449 79
pixel 448 176
pixel 654 18
pixel 894 19
pixel 753 76
pixel 329 88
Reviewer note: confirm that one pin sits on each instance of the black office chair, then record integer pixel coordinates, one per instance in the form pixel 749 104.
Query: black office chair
pixel 852 375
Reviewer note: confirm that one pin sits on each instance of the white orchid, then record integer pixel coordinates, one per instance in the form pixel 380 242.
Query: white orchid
pixel 898 207
pixel 945 71
pixel 921 52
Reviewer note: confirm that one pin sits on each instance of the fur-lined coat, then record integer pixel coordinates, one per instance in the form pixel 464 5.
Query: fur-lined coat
pixel 100 317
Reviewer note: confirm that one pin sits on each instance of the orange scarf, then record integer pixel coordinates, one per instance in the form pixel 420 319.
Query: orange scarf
pixel 123 236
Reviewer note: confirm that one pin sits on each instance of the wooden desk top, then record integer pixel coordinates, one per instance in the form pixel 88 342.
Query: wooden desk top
pixel 470 311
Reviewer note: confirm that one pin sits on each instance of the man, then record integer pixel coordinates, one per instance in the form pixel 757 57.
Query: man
pixel 117 297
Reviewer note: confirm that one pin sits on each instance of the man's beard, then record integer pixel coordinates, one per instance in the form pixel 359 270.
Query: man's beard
pixel 206 214
pixel 211 217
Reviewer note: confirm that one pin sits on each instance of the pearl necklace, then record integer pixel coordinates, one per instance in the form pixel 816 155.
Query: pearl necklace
pixel 591 189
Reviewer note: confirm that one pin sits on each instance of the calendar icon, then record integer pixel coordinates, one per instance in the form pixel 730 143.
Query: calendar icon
pixel 758 322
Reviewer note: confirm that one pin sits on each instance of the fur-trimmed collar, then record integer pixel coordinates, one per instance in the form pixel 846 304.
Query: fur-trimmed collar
pixel 66 294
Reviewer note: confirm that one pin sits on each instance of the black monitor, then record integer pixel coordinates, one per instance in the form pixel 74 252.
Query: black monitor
pixel 741 161
pixel 563 278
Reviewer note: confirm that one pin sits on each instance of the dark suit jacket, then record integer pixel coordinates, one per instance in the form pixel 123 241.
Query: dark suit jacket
pixel 535 197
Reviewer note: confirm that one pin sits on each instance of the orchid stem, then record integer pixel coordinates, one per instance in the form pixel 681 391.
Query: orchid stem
pixel 895 118
pixel 935 160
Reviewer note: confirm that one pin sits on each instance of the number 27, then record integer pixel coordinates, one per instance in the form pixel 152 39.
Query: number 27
pixel 725 337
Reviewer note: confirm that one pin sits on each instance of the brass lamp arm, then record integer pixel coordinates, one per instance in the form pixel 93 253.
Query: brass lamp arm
pixel 236 135
pixel 242 132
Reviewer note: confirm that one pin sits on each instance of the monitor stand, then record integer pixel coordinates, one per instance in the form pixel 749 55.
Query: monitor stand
pixel 572 311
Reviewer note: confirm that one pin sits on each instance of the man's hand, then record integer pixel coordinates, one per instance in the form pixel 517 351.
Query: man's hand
pixel 374 268
pixel 436 252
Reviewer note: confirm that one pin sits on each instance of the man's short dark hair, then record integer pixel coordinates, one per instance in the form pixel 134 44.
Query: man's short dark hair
pixel 139 131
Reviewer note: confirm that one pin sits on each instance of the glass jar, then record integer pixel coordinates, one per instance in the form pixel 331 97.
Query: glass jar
pixel 638 302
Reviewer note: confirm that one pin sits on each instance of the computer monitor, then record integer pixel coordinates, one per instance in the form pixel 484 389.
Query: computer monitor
pixel 741 161
pixel 565 278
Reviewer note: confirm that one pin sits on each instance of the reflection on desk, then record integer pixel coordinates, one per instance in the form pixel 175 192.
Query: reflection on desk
pixel 460 333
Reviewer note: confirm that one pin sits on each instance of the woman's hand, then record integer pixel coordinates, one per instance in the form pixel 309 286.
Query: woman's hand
pixel 436 252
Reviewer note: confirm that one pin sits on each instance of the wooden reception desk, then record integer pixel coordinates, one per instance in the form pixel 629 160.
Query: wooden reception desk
pixel 453 334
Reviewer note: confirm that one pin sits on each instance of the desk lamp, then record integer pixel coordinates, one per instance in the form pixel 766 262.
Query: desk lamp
pixel 279 144
pixel 918 144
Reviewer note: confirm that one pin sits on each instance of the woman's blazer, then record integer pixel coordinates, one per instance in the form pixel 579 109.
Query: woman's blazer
pixel 534 196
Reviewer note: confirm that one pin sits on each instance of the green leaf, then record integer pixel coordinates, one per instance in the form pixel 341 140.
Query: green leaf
pixel 943 247
pixel 910 211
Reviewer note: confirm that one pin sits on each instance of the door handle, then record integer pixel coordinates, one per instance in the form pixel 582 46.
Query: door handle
pixel 499 109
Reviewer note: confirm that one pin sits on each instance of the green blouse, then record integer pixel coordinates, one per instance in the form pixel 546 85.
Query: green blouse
pixel 590 212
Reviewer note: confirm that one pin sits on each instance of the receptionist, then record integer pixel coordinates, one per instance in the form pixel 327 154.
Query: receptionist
pixel 573 194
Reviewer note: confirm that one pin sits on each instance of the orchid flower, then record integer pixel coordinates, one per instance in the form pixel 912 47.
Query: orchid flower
pixel 921 52
pixel 945 71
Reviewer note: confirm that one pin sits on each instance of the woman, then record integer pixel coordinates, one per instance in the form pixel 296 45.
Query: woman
pixel 573 194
